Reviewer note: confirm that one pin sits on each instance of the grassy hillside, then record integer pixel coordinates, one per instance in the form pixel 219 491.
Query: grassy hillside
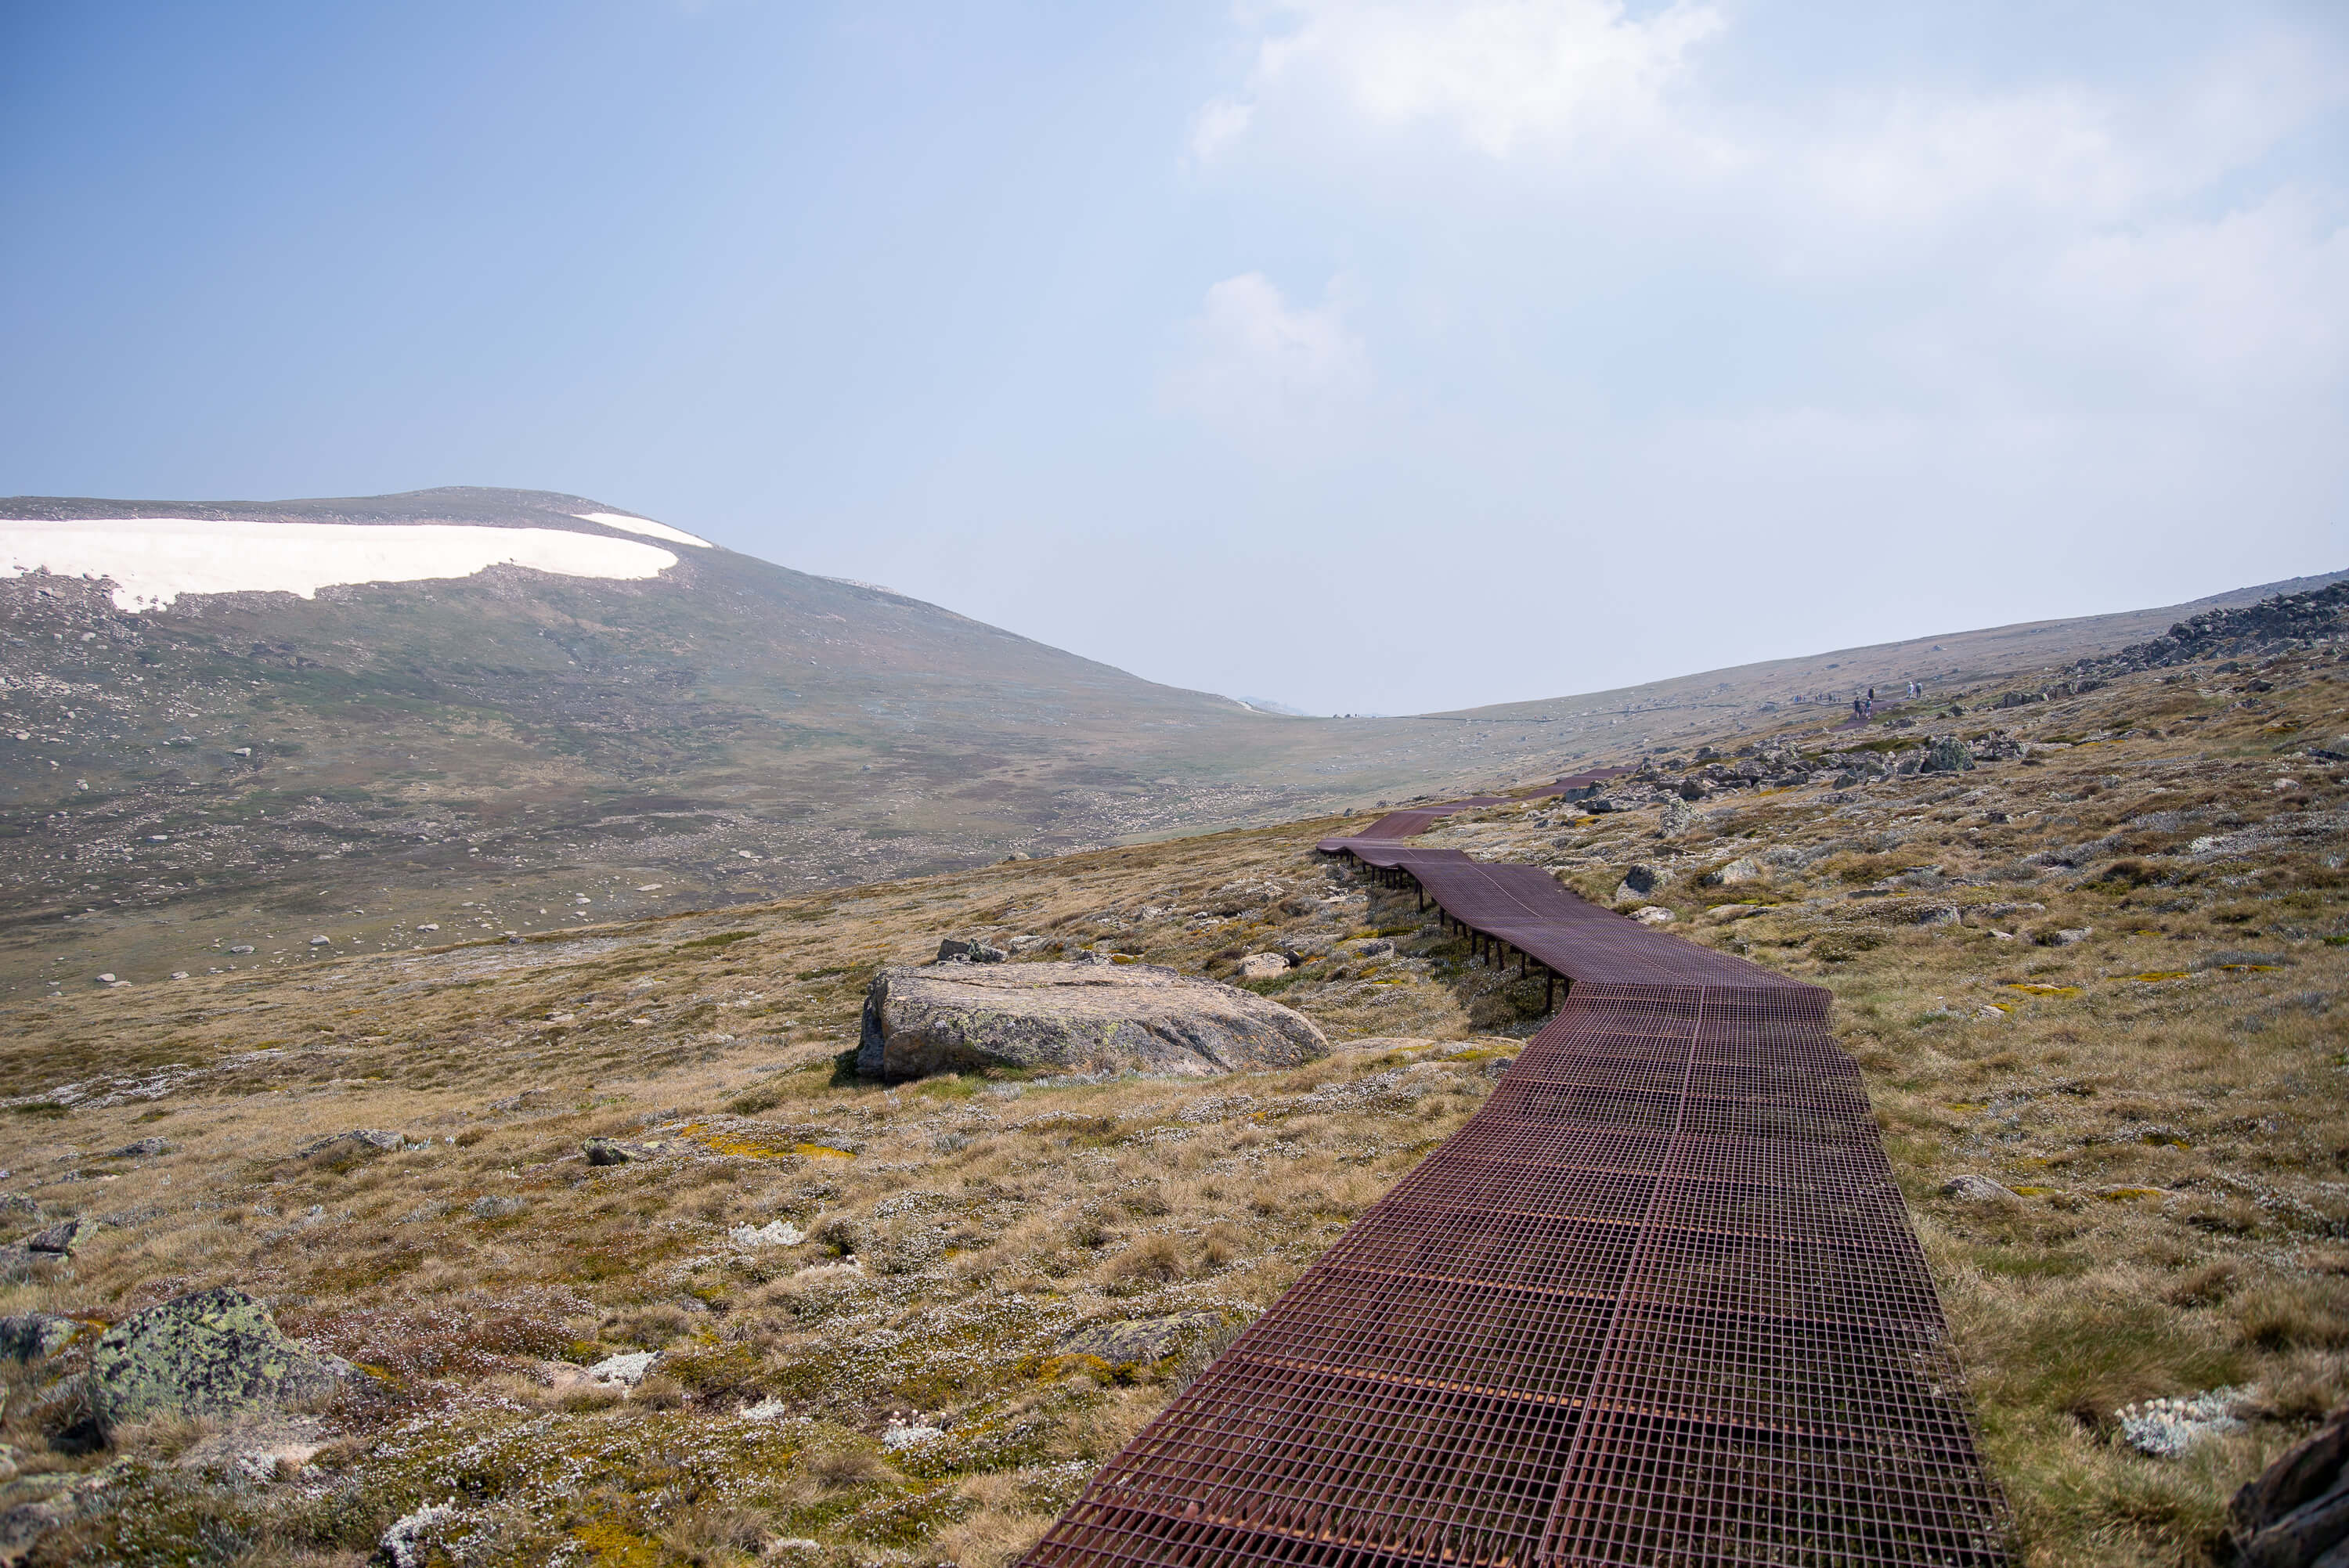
pixel 518 752
pixel 2107 974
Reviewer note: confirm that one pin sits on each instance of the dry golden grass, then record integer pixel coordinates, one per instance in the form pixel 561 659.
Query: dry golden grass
pixel 2165 1096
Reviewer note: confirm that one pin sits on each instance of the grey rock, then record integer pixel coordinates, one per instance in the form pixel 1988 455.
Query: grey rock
pixel 1373 947
pixel 611 1151
pixel 215 1353
pixel 1948 753
pixel 2077 935
pixel 2295 1513
pixel 953 951
pixel 36 1336
pixel 1139 1341
pixel 361 1143
pixel 1072 1017
pixel 1088 955
pixel 1263 966
pixel 57 1240
pixel 1743 869
pixel 1641 882
pixel 144 1149
pixel 1971 1189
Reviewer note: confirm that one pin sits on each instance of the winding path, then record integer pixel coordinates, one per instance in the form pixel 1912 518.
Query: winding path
pixel 1659 1302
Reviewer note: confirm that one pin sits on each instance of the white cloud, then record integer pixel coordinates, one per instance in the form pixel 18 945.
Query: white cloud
pixel 1256 366
pixel 1498 72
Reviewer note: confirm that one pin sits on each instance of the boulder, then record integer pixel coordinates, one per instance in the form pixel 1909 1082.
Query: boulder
pixel 57 1240
pixel 612 1152
pixel 1641 882
pixel 1073 1018
pixel 2295 1513
pixel 1652 914
pixel 361 1143
pixel 1138 1341
pixel 1971 1189
pixel 215 1353
pixel 1263 966
pixel 1948 753
pixel 952 950
pixel 1743 869
pixel 36 1336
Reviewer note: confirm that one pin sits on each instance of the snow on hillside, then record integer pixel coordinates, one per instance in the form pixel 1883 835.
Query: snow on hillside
pixel 152 561
pixel 643 525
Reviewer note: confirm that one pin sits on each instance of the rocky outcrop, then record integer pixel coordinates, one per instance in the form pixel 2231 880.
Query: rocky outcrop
pixel 2296 1513
pixel 1072 1017
pixel 215 1353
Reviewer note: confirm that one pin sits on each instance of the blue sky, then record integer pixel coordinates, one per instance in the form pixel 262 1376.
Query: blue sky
pixel 1363 356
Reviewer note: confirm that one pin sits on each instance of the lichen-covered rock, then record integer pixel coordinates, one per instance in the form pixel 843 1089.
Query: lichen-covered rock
pixel 36 1336
pixel 1072 1017
pixel 1138 1341
pixel 215 1353
pixel 1948 753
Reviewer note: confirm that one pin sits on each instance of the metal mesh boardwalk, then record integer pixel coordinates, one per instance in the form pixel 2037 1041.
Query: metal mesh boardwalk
pixel 1658 1302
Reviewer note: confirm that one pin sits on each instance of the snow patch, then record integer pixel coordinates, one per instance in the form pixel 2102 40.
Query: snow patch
pixel 152 561
pixel 643 525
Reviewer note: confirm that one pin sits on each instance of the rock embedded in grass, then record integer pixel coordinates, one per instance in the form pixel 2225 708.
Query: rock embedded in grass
pixel 1074 1019
pixel 215 1353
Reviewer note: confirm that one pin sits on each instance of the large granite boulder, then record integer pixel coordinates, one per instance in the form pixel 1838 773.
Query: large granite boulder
pixel 215 1353
pixel 1073 1018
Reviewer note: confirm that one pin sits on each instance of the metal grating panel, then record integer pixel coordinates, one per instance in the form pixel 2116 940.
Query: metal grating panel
pixel 1658 1302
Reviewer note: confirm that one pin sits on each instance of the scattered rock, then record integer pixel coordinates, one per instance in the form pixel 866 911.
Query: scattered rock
pixel 215 1353
pixel 2296 1511
pixel 1138 1341
pixel 1947 754
pixel 36 1336
pixel 144 1149
pixel 1373 947
pixel 1263 966
pixel 1641 882
pixel 57 1240
pixel 1972 1188
pixel 361 1143
pixel 1071 1018
pixel 952 950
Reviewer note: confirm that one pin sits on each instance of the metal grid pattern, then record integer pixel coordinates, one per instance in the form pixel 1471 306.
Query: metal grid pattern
pixel 1658 1302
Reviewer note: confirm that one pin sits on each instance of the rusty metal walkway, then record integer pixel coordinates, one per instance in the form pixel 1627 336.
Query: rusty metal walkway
pixel 1659 1303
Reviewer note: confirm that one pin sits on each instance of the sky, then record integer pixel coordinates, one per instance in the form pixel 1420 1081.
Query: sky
pixel 1362 357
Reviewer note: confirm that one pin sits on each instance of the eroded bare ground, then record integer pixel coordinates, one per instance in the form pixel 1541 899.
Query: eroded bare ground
pixel 2106 975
